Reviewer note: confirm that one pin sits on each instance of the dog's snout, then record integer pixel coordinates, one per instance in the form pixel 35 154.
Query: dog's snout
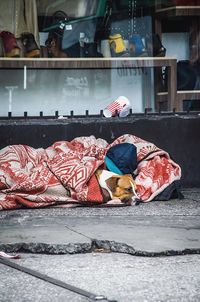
pixel 126 199
pixel 137 201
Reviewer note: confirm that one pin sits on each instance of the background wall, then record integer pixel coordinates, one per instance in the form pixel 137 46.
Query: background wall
pixel 177 45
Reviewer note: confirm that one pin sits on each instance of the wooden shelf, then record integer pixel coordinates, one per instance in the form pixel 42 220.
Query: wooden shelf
pixel 183 93
pixel 86 63
pixel 96 63
pixel 177 11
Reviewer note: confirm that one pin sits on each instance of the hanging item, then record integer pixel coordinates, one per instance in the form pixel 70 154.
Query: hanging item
pixel 133 15
pixel 154 46
pixel 18 16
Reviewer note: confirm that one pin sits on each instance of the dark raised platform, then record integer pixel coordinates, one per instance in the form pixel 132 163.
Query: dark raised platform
pixel 178 134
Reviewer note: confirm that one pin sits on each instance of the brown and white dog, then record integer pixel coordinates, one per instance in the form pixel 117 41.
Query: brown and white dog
pixel 115 186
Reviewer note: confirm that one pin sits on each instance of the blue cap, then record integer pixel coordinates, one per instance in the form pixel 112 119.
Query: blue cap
pixel 122 158
pixel 111 166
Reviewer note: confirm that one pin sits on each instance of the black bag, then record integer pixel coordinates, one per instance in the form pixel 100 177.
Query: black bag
pixel 73 29
pixel 171 192
pixel 154 46
pixel 69 30
pixel 186 76
pixel 56 23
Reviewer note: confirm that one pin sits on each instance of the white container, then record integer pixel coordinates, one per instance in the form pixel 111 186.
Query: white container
pixel 121 106
pixel 105 48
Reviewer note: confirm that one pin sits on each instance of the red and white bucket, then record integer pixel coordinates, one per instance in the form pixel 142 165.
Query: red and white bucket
pixel 120 107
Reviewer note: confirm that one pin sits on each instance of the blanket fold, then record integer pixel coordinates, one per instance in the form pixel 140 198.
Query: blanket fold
pixel 64 173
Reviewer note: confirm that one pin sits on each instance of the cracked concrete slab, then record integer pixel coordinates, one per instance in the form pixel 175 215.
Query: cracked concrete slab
pixel 87 236
pixel 117 276
pixel 137 235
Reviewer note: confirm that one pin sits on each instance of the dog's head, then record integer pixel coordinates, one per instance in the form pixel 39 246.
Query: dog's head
pixel 121 187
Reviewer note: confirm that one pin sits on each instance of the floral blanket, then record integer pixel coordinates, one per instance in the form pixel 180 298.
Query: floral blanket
pixel 63 174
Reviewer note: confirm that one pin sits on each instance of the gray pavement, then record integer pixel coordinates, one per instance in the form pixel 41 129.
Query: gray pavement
pixel 122 253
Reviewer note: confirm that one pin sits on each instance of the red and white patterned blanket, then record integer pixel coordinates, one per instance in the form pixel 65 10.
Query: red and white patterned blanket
pixel 63 174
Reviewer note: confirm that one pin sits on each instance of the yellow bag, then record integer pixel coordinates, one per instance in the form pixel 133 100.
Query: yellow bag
pixel 117 44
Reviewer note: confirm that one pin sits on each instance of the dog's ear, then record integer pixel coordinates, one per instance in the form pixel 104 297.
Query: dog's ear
pixel 112 183
pixel 132 180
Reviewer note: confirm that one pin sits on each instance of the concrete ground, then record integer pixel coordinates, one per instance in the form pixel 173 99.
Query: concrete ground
pixel 149 252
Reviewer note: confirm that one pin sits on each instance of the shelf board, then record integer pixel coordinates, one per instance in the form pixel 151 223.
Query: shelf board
pixel 86 63
pixel 180 92
pixel 175 11
pixel 181 95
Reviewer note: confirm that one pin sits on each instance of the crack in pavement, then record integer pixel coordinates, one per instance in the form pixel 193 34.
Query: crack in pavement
pixel 96 245
pixel 147 237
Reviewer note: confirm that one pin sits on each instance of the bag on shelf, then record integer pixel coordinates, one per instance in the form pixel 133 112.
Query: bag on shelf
pixel 70 31
pixel 137 47
pixel 89 50
pixel 154 46
pixel 186 75
pixel 57 23
pixel 55 36
pixel 117 46
pixel 74 29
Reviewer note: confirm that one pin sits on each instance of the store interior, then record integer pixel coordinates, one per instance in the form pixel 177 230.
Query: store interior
pixel 146 51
